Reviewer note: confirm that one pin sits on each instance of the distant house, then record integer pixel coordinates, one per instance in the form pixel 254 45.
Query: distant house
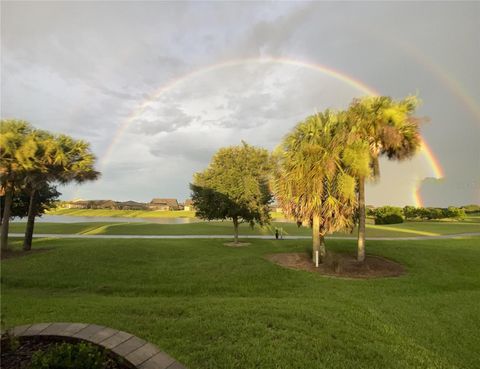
pixel 188 206
pixel 131 205
pixel 163 204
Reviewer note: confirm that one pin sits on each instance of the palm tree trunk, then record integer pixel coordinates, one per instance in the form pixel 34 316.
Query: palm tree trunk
pixel 361 220
pixel 235 229
pixel 6 217
pixel 27 242
pixel 323 250
pixel 316 237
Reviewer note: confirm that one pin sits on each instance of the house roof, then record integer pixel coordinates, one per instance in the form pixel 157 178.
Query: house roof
pixel 188 202
pixel 169 202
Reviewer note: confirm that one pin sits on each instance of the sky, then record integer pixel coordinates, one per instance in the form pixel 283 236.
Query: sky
pixel 158 87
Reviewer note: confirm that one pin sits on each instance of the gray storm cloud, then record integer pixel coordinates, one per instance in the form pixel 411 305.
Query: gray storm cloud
pixel 85 68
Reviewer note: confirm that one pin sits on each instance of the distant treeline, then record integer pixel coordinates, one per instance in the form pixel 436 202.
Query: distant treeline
pixel 393 214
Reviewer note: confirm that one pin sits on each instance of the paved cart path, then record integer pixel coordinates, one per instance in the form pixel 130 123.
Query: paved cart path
pixel 262 237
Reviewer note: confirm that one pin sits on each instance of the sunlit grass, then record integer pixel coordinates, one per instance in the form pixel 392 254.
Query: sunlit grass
pixel 403 230
pixel 212 306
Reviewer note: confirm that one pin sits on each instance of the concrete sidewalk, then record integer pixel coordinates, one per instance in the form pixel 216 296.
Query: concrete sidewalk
pixel 262 237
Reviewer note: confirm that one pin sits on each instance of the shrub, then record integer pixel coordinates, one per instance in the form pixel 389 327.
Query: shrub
pixel 70 356
pixel 370 211
pixel 411 212
pixel 388 215
pixel 456 213
pixel 434 213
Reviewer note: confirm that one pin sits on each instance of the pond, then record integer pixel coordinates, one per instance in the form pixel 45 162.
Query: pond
pixel 71 219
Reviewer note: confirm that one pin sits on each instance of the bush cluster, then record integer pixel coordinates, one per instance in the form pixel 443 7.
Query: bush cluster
pixel 388 215
pixel 393 215
pixel 452 212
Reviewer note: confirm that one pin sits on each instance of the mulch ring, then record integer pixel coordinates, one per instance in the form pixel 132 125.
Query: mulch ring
pixel 17 352
pixel 10 254
pixel 237 244
pixel 341 265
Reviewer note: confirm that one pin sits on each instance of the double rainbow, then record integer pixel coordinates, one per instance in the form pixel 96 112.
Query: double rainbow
pixel 340 76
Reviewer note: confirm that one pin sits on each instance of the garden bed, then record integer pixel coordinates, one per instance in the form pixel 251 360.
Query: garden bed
pixel 341 265
pixel 17 353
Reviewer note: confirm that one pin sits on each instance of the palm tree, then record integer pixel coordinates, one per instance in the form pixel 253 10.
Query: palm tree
pixel 311 183
pixel 31 159
pixel 387 128
pixel 17 148
pixel 59 159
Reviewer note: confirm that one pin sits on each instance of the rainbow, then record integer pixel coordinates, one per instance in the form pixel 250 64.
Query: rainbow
pixel 437 170
pixel 340 76
pixel 417 198
pixel 228 64
pixel 432 159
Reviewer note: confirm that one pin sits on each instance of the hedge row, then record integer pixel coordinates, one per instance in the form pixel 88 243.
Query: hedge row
pixel 393 214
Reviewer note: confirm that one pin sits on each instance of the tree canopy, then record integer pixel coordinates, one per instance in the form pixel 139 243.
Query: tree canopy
pixel 234 186
pixel 47 197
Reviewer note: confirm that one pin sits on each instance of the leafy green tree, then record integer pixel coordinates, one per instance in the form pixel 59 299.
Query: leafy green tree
pixel 47 197
pixel 312 182
pixel 388 128
pixel 435 213
pixel 410 212
pixel 17 149
pixel 455 213
pixel 234 186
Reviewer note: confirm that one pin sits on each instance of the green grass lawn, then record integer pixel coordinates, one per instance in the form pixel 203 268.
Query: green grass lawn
pixel 407 229
pixel 211 306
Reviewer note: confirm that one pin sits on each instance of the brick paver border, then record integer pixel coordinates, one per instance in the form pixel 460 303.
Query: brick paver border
pixel 139 353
